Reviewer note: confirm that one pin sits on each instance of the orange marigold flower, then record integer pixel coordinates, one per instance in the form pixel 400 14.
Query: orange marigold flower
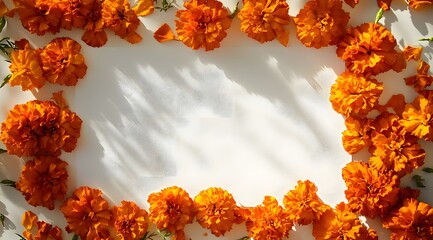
pixel 129 221
pixel 340 223
pixel 74 12
pixel 412 53
pixel 39 16
pixel 393 149
pixel 415 4
pixel 62 62
pixel 94 28
pixel 87 214
pixel 417 118
pixel 43 180
pixel 40 128
pixel 202 24
pixel 422 79
pixel 44 230
pixel 120 18
pixel 414 220
pixel 321 23
pixel 355 95
pixel 369 192
pixel 268 221
pixel 303 204
pixel 369 49
pixel 357 134
pixel 171 209
pixel 265 20
pixel 216 210
pixel 26 69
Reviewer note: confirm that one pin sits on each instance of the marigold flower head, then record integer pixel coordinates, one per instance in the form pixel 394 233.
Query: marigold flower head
pixel 357 134
pixel 43 181
pixel 40 128
pixel 202 24
pixel 120 18
pixel 62 62
pixel 369 192
pixel 129 221
pixel 355 95
pixel 265 20
pixel 94 28
pixel 413 220
pixel 393 149
pixel 321 23
pixel 44 230
pixel 87 214
pixel 26 69
pixel 340 223
pixel 216 210
pixel 422 79
pixel 268 221
pixel 303 205
pixel 74 12
pixel 369 49
pixel 39 16
pixel 171 209
pixel 417 118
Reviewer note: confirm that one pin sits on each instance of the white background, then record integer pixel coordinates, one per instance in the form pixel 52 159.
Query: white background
pixel 248 117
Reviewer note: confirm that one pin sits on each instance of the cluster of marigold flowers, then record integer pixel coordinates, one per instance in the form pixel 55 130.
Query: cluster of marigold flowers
pixel 93 16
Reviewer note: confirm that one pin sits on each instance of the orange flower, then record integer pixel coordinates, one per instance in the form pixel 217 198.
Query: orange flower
pixel 87 214
pixel 265 20
pixel 369 192
pixel 414 220
pixel 120 18
pixel 412 53
pixel 321 23
pixel 216 210
pixel 415 4
pixel 369 49
pixel 268 221
pixel 129 221
pixel 353 94
pixel 44 230
pixel 202 24
pixel 417 118
pixel 74 13
pixel 94 29
pixel 357 135
pixel 384 4
pixel 62 62
pixel 26 69
pixel 340 223
pixel 39 16
pixel 40 128
pixel 392 148
pixel 43 180
pixel 422 79
pixel 303 204
pixel 171 209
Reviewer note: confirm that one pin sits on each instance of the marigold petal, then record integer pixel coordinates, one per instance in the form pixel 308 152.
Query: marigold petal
pixel 144 7
pixel 164 33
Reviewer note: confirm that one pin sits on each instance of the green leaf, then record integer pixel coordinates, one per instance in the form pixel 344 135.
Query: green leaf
pixel 428 170
pixel 2 23
pixel 418 180
pixel 426 39
pixel 233 15
pixel 75 237
pixel 21 237
pixel 8 182
pixel 2 219
pixel 5 81
pixel 149 236
pixel 3 150
pixel 165 5
pixel 379 15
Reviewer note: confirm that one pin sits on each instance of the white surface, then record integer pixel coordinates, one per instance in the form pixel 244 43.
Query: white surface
pixel 250 118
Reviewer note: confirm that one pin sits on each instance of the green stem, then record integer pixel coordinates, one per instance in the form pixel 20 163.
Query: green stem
pixel 430 39
pixel 379 15
pixel 235 11
pixel 1 149
pixel 8 183
pixel 75 237
pixel 21 237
